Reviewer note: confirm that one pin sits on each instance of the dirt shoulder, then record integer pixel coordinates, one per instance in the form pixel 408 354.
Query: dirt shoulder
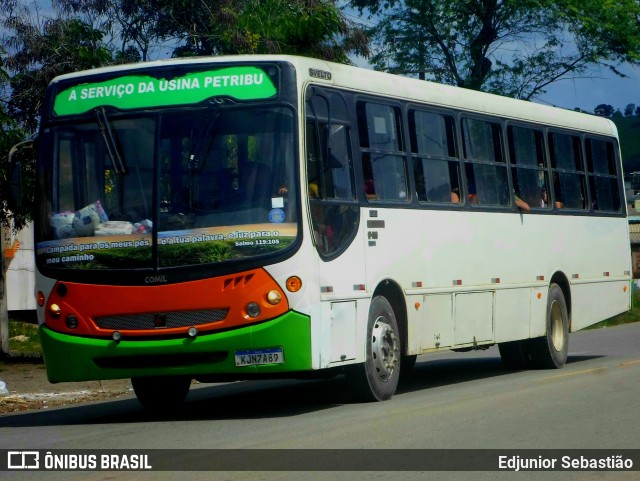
pixel 29 389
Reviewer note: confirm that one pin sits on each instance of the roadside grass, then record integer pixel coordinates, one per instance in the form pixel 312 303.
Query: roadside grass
pixel 24 339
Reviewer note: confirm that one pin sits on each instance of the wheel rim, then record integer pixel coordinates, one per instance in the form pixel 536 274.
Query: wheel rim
pixel 384 349
pixel 557 326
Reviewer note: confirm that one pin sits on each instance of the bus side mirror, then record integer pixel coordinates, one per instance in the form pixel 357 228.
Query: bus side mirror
pixel 16 169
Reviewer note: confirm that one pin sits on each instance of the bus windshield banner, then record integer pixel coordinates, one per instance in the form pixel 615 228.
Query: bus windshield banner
pixel 144 91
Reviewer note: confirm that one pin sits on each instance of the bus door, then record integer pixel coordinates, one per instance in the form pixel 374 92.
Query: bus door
pixel 335 217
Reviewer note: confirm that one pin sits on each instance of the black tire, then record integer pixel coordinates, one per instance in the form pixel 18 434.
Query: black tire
pixel 161 393
pixel 407 363
pixel 377 378
pixel 550 351
pixel 516 355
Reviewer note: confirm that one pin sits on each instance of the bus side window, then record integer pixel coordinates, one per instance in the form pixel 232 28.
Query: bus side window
pixel 603 180
pixel 485 163
pixel 383 152
pixel 436 169
pixel 569 186
pixel 526 151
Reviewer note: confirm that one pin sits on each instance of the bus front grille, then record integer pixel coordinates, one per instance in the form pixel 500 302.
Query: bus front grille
pixel 161 320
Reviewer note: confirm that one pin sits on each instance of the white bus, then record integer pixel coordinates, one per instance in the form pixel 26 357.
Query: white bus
pixel 257 216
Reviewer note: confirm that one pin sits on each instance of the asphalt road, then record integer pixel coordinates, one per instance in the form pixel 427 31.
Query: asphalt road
pixel 452 401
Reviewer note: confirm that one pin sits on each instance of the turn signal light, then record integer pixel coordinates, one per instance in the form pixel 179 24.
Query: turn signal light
pixel 294 284
pixel 40 298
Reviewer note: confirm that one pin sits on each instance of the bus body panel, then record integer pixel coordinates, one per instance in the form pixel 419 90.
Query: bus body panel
pixel 511 255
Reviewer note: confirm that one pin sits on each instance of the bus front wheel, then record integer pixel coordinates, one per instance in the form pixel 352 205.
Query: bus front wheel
pixel 159 393
pixel 550 350
pixel 377 378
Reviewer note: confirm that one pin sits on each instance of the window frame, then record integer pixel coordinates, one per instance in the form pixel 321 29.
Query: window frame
pixel 540 167
pixel 366 150
pixel 579 171
pixel 452 158
pixel 471 162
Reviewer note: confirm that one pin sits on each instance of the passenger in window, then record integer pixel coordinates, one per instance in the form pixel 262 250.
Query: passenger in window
pixel 314 191
pixel 557 190
pixel 369 182
pixel 527 194
pixel 472 195
pixel 370 189
pixel 521 204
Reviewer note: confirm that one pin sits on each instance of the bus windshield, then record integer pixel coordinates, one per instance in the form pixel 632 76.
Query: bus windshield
pixel 168 188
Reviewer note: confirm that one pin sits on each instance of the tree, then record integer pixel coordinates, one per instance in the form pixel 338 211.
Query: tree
pixel 39 49
pixel 629 110
pixel 129 26
pixel 305 27
pixel 34 51
pixel 511 47
pixel 604 110
pixel 11 216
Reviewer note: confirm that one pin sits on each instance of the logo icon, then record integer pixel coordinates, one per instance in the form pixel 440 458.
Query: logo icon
pixel 23 460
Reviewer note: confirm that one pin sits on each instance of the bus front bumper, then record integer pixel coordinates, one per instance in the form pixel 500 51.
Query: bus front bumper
pixel 73 358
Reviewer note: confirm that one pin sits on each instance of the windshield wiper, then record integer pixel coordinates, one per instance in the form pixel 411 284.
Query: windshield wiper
pixel 110 141
pixel 198 155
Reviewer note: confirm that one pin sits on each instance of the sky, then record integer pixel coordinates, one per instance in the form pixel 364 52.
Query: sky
pixel 605 88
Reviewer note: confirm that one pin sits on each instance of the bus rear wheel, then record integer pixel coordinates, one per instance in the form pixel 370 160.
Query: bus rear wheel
pixel 550 351
pixel 160 393
pixel 377 378
pixel 515 355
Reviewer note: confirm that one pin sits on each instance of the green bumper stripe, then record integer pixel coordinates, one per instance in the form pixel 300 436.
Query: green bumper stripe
pixel 72 358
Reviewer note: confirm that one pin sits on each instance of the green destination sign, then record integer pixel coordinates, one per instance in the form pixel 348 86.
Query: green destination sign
pixel 141 91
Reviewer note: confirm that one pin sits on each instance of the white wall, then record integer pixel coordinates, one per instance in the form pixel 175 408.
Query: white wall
pixel 21 274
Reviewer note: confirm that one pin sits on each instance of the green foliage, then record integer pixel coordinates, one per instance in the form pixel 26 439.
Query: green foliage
pixel 313 28
pixel 34 51
pixel 629 133
pixel 10 135
pixel 185 254
pixel 124 258
pixel 41 52
pixel 512 47
pixel 278 26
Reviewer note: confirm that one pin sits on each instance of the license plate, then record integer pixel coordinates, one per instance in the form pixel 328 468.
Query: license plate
pixel 259 356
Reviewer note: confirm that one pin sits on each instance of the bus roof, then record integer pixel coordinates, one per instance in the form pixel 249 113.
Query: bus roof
pixel 395 86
